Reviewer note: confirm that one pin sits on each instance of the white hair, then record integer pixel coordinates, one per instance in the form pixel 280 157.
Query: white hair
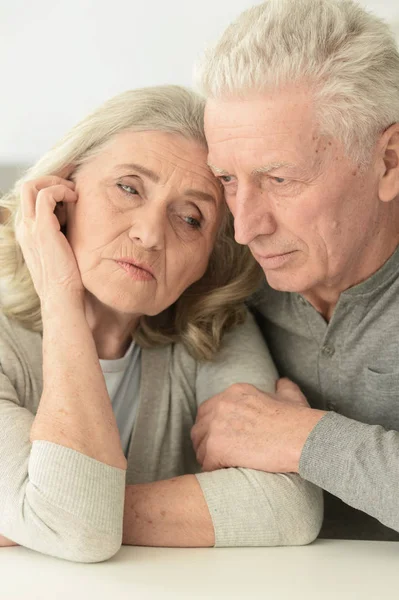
pixel 346 56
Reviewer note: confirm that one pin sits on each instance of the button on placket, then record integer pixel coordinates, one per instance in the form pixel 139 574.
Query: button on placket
pixel 328 350
pixel 327 374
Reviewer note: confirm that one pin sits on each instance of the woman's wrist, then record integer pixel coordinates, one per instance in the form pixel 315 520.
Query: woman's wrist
pixel 62 307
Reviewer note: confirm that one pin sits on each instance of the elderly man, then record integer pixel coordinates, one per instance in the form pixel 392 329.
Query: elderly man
pixel 302 124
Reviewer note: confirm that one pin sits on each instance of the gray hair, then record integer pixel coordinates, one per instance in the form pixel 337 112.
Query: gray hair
pixel 345 55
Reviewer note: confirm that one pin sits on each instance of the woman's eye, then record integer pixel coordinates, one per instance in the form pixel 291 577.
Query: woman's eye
pixel 128 188
pixel 192 222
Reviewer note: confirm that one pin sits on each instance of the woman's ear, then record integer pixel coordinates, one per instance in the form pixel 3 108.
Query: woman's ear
pixel 389 183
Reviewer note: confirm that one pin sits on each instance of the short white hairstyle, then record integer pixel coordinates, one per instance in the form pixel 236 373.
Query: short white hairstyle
pixel 347 57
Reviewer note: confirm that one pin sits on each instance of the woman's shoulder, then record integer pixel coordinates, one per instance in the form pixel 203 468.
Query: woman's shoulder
pixel 243 357
pixel 20 352
pixel 235 340
pixel 13 333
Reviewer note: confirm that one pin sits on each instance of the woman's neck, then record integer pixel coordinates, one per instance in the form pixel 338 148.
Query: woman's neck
pixel 112 331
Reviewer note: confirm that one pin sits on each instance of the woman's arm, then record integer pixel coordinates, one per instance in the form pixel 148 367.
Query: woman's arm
pixel 75 410
pixel 248 509
pixel 54 499
pixel 170 513
pixel 229 507
pixel 65 492
pixel 5 542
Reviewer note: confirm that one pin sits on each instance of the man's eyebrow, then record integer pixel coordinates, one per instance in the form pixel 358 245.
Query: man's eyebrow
pixel 258 171
pixel 142 170
pixel 217 170
pixel 271 167
pixel 200 195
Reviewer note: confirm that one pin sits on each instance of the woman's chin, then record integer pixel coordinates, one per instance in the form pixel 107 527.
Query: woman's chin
pixel 120 302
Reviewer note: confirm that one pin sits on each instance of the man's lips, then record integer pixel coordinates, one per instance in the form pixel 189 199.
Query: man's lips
pixel 273 261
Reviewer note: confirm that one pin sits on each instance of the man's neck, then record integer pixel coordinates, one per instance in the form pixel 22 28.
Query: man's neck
pixel 324 298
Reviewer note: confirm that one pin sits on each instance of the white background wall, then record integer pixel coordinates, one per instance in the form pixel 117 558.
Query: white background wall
pixel 59 59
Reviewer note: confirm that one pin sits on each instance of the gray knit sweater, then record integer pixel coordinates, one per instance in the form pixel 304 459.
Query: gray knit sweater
pixel 60 502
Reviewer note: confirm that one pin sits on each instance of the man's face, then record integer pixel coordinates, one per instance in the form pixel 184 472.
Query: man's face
pixel 307 212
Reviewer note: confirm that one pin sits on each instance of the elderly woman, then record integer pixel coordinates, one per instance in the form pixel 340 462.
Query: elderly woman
pixel 122 310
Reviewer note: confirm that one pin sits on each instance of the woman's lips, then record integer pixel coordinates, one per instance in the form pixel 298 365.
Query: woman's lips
pixel 135 272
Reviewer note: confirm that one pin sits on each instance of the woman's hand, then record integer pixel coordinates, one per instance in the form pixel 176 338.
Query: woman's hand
pixel 5 542
pixel 48 255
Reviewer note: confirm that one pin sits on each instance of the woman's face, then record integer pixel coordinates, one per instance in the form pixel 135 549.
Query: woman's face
pixel 145 222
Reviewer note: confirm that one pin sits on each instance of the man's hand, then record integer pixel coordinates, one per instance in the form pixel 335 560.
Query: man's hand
pixel 244 427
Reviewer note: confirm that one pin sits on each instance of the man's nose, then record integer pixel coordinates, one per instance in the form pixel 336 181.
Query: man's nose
pixel 252 217
pixel 148 229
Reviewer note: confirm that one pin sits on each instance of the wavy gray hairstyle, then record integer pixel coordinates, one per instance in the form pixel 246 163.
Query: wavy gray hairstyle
pixel 346 56
pixel 208 307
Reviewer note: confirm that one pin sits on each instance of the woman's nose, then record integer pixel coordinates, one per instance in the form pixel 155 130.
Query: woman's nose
pixel 148 230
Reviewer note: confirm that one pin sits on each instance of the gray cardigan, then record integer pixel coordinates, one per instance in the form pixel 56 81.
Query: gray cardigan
pixel 60 502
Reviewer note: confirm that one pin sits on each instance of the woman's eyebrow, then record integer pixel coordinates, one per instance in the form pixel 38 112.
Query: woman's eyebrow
pixel 200 195
pixel 193 193
pixel 142 170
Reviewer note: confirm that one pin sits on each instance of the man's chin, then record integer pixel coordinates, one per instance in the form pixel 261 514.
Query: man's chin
pixel 285 282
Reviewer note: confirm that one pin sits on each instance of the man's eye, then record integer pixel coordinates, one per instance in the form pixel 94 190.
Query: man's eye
pixel 226 178
pixel 127 188
pixel 278 179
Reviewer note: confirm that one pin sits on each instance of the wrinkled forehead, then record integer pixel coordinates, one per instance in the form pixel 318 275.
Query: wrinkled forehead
pixel 274 113
pixel 263 130
pixel 159 158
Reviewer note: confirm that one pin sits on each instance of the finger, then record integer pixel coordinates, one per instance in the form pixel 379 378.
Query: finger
pixel 66 172
pixel 30 190
pixel 198 433
pixel 206 407
pixel 289 390
pixel 47 199
pixel 51 180
pixel 201 452
pixel 28 200
pixel 210 464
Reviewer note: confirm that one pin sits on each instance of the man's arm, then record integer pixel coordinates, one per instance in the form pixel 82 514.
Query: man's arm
pixel 278 432
pixel 358 463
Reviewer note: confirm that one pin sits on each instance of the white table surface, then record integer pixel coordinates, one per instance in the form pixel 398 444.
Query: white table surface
pixel 327 569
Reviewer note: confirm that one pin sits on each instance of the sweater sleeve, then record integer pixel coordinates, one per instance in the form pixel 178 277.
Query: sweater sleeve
pixel 53 499
pixel 248 507
pixel 359 463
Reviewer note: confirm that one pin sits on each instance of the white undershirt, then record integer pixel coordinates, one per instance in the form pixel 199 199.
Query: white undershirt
pixel 122 378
